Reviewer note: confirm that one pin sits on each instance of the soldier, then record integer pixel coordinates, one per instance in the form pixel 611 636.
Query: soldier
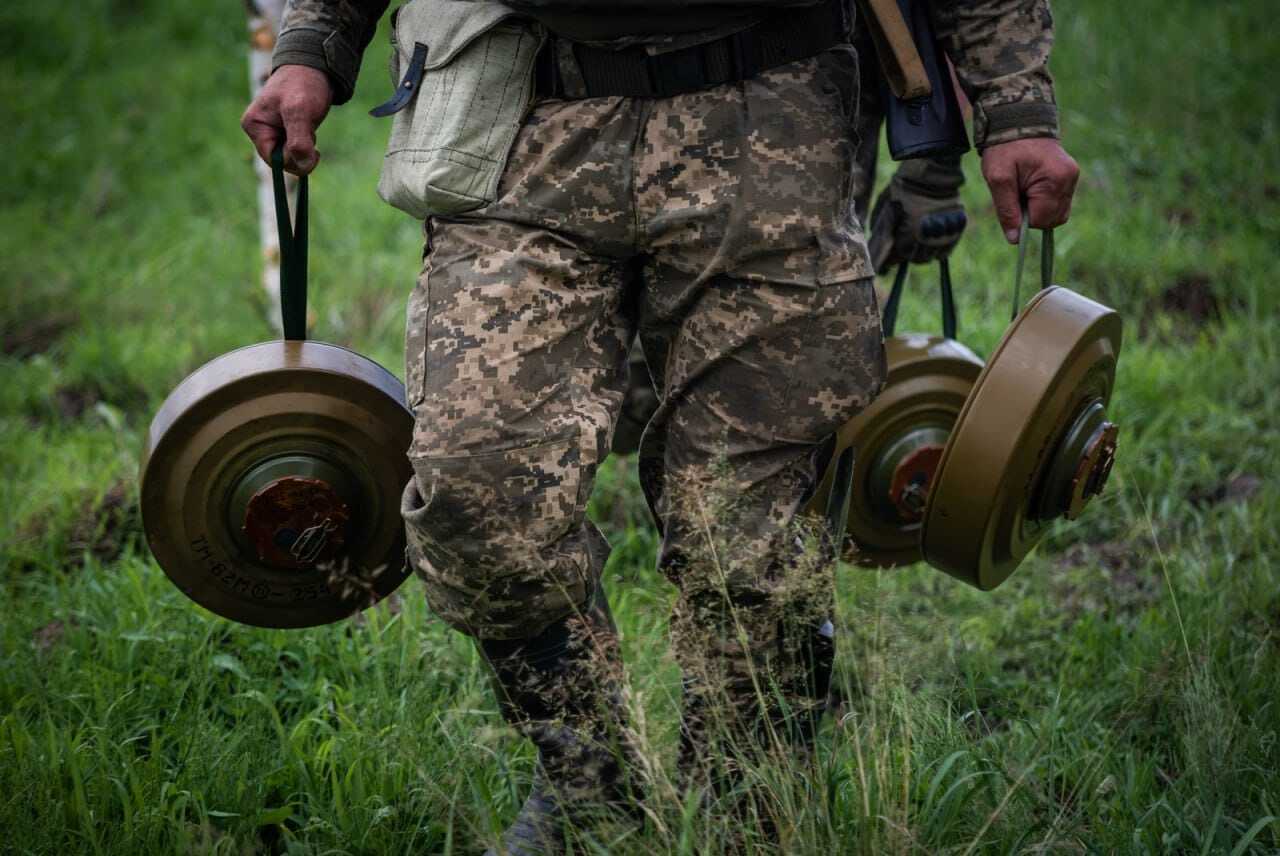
pixel 685 171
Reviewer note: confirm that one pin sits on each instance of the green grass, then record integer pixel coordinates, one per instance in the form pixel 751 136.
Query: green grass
pixel 1118 695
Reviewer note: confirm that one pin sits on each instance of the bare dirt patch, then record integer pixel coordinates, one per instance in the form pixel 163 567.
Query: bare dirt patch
pixel 1240 488
pixel 72 402
pixel 36 335
pixel 1111 555
pixel 102 527
pixel 1192 297
pixel 1129 584
pixel 49 636
pixel 105 528
pixel 1192 302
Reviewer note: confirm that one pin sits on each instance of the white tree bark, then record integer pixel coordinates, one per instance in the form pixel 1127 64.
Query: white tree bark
pixel 264 24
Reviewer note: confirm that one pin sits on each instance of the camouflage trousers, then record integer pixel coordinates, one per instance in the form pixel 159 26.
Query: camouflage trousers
pixel 639 402
pixel 718 225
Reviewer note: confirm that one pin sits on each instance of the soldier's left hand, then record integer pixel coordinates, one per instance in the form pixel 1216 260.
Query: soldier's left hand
pixel 1037 170
pixel 919 217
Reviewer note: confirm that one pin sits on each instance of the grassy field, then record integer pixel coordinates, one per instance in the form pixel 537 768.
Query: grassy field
pixel 1120 695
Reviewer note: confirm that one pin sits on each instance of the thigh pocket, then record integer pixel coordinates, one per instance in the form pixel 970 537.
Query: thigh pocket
pixel 498 538
pixel 467 84
pixel 493 514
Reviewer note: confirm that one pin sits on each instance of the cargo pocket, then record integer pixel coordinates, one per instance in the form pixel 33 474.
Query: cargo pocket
pixel 497 537
pixel 465 84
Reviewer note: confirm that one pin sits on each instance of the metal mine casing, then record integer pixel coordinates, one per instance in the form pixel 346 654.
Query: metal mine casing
pixel 1031 444
pixel 897 439
pixel 254 442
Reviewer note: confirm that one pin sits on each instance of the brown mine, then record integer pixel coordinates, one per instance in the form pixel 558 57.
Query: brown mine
pixel 1054 366
pixel 929 378
pixel 276 446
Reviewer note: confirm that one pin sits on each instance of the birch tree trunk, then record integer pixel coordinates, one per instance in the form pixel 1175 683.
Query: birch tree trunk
pixel 264 24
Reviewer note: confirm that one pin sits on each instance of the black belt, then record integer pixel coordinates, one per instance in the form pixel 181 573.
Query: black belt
pixel 777 40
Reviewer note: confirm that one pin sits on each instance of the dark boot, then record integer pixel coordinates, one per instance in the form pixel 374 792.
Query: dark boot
pixel 562 690
pixel 810 695
pixel 717 727
pixel 537 829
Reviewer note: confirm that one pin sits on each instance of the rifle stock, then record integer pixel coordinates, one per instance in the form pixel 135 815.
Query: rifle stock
pixel 922 114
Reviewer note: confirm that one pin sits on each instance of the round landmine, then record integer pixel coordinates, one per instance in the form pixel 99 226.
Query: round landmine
pixel 1033 442
pixel 271 481
pixel 898 441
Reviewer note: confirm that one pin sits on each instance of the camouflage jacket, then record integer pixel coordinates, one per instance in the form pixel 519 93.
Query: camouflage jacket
pixel 1000 49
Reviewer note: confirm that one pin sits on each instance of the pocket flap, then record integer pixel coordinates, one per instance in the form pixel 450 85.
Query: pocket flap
pixel 445 26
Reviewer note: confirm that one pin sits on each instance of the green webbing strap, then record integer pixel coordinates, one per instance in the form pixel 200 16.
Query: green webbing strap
pixel 293 252
pixel 1046 260
pixel 838 500
pixel 948 299
pixel 889 317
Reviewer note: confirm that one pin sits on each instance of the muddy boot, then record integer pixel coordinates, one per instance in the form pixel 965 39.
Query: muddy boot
pixel 562 690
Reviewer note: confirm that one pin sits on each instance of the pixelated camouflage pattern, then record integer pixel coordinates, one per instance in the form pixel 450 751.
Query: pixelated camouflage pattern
pixel 719 224
pixel 1000 49
pixel 940 175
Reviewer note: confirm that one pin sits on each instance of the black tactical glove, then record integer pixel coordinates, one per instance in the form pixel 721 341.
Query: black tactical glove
pixel 919 216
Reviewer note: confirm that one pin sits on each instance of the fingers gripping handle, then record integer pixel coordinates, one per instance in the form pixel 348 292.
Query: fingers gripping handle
pixel 1046 260
pixel 293 251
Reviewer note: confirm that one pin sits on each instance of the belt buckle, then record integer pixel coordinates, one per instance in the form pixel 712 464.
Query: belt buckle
pixel 678 72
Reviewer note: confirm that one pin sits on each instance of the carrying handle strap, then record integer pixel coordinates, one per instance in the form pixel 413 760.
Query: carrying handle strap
pixel 293 252
pixel 1046 260
pixel 889 317
pixel 948 299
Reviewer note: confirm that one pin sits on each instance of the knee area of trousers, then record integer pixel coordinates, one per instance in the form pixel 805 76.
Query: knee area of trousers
pixel 518 500
pixel 489 582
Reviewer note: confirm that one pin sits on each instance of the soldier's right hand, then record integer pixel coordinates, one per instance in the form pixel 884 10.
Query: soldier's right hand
pixel 291 105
